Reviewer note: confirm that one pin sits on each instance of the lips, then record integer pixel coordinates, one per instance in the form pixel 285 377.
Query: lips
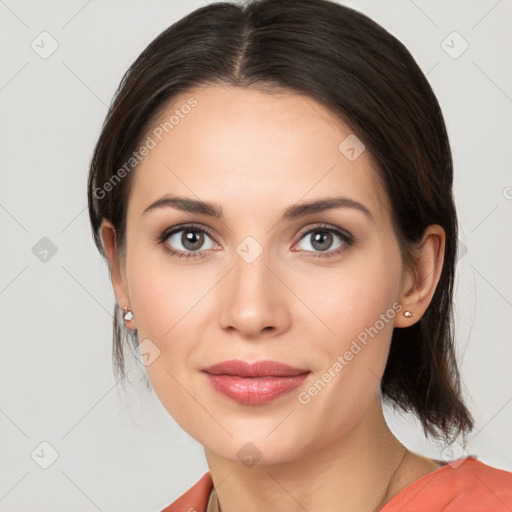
pixel 254 383
pixel 239 368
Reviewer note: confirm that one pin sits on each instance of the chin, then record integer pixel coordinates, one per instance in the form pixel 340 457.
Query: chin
pixel 253 450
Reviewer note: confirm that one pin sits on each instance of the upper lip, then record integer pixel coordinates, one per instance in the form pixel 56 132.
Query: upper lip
pixel 240 368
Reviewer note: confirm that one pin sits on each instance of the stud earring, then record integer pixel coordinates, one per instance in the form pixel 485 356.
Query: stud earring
pixel 127 314
pixel 407 314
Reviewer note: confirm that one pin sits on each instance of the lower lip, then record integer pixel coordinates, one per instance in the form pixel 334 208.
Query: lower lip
pixel 255 390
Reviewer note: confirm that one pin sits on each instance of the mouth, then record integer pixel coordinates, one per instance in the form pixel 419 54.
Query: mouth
pixel 238 368
pixel 254 383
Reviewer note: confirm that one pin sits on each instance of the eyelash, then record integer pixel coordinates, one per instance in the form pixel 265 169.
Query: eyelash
pixel 348 240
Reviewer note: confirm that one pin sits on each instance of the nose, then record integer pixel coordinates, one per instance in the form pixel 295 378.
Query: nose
pixel 253 300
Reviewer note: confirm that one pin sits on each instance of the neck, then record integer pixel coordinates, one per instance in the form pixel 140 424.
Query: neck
pixel 357 471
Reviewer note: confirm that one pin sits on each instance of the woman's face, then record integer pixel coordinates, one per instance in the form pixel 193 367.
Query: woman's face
pixel 255 284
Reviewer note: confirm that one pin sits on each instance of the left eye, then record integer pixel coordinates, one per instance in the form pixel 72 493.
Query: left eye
pixel 321 239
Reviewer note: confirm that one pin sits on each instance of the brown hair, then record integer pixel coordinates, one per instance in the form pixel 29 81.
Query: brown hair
pixel 353 66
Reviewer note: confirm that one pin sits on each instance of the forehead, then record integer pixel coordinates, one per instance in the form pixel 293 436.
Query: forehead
pixel 240 146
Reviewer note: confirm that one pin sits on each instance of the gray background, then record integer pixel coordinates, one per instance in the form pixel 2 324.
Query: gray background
pixel 121 450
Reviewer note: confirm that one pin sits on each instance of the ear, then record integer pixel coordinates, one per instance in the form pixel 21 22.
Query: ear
pixel 420 283
pixel 117 275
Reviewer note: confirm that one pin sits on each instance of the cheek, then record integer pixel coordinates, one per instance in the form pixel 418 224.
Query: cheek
pixel 352 357
pixel 170 302
pixel 354 298
pixel 163 293
pixel 358 306
pixel 164 301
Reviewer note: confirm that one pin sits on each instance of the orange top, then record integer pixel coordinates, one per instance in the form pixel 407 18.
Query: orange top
pixel 467 486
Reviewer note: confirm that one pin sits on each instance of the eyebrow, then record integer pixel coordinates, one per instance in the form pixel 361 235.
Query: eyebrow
pixel 296 211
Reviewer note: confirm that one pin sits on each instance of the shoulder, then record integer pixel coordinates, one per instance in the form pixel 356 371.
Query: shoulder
pixel 467 484
pixel 195 499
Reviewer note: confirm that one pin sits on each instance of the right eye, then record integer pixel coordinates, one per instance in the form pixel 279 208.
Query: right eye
pixel 191 239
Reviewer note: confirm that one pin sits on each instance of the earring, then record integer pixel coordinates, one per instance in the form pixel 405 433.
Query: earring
pixel 407 314
pixel 127 314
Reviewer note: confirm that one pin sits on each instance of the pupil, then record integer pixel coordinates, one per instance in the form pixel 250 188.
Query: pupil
pixel 192 240
pixel 322 236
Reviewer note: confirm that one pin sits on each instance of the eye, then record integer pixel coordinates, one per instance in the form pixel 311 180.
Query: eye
pixel 187 241
pixel 321 238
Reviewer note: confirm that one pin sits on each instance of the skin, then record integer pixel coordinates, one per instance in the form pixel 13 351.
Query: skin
pixel 254 155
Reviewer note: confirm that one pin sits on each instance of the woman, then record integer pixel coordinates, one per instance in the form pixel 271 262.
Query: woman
pixel 272 189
